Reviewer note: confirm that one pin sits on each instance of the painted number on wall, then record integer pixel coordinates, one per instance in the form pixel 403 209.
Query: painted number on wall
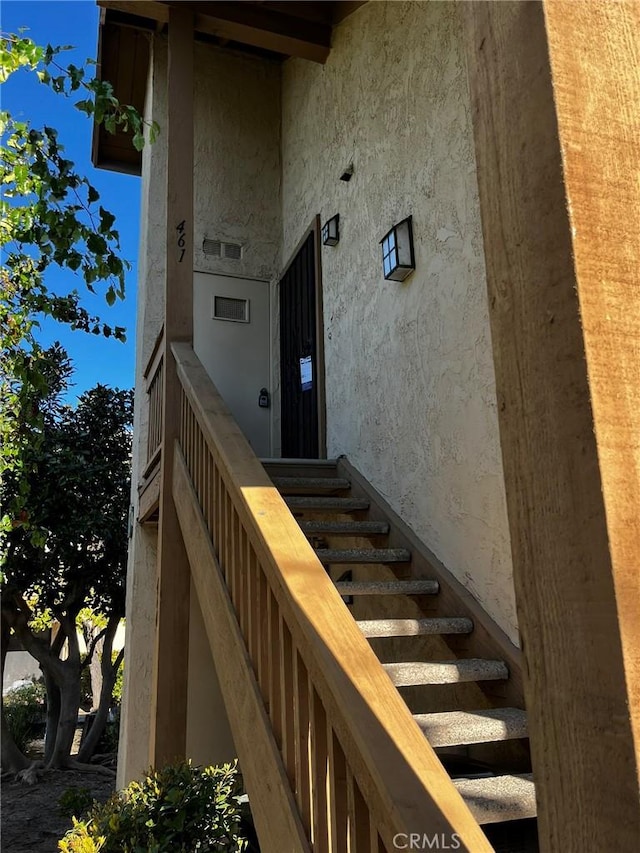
pixel 181 228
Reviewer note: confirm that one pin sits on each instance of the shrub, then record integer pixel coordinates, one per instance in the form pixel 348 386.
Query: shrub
pixel 75 801
pixel 24 710
pixel 179 809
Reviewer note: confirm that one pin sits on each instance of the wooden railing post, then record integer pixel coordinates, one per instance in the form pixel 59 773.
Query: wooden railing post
pixel 168 731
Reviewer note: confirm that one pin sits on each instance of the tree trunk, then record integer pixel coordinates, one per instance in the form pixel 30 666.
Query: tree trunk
pixel 53 714
pixel 11 758
pixel 95 671
pixel 109 672
pixel 68 720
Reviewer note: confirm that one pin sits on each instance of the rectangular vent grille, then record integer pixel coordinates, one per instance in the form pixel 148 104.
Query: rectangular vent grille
pixel 220 249
pixel 232 251
pixel 229 308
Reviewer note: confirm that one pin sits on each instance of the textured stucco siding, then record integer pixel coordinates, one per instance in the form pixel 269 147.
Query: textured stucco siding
pixel 410 384
pixel 237 161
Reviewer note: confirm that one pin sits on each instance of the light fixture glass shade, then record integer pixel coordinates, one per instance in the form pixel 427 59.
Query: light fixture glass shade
pixel 397 251
pixel 331 231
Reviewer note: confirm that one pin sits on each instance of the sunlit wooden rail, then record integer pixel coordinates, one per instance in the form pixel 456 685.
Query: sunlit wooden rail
pixel 331 757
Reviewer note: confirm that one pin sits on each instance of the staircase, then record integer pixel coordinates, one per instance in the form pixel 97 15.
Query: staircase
pixel 456 671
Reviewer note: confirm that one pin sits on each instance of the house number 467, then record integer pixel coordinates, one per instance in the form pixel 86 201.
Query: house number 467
pixel 182 239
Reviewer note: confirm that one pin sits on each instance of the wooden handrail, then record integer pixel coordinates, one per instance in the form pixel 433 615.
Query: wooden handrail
pixel 357 763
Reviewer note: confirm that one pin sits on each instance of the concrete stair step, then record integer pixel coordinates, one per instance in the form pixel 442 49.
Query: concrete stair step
pixel 363 555
pixel 495 799
pixel 456 728
pixel 288 462
pixel 446 672
pixel 426 587
pixel 414 627
pixel 307 503
pixel 344 528
pixel 310 485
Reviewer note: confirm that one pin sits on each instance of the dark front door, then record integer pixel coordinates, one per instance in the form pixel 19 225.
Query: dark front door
pixel 298 355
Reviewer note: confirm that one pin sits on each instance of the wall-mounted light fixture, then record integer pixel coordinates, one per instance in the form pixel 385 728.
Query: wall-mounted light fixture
pixel 397 251
pixel 331 231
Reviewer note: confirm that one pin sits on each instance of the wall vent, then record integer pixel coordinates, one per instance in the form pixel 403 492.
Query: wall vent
pixel 222 249
pixel 232 251
pixel 230 308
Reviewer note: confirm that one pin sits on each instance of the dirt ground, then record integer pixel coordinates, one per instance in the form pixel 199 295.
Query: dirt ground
pixel 30 819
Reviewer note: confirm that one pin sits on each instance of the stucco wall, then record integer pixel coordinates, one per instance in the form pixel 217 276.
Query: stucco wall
pixel 410 384
pixel 237 161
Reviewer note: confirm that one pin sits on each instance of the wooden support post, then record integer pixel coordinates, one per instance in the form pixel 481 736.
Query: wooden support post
pixel 168 734
pixel 598 44
pixel 573 549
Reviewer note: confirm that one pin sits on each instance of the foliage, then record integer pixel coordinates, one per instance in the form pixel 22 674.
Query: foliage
pixel 179 809
pixel 24 708
pixel 117 687
pixel 50 216
pixel 76 800
pixel 82 838
pixel 79 494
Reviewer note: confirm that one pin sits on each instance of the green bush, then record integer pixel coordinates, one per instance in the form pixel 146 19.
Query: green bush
pixel 24 709
pixel 75 801
pixel 179 809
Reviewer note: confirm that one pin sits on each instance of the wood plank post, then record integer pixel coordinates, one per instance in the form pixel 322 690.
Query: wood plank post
pixel 599 122
pixel 169 731
pixel 572 550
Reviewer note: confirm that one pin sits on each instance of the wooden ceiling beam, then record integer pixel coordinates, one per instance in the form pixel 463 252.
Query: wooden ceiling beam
pixel 246 23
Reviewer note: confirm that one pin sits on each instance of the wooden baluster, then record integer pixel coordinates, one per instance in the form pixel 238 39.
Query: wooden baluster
pixel 217 508
pixel 359 823
pixel 183 418
pixel 337 793
pixel 235 559
pixel 200 466
pixel 252 606
pixel 242 580
pixel 287 704
pixel 262 608
pixel 196 461
pixel 208 488
pixel 302 745
pixel 273 616
pixel 319 773
pixel 226 540
pixel 190 443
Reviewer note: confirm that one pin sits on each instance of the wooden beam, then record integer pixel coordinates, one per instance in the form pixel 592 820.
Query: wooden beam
pixel 243 23
pixel 564 573
pixel 598 44
pixel 170 711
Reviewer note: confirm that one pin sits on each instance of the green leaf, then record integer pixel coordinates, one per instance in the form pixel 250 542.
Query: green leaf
pixel 106 220
pixel 110 296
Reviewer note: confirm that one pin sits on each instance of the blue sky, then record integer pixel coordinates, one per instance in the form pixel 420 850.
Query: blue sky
pixel 62 22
